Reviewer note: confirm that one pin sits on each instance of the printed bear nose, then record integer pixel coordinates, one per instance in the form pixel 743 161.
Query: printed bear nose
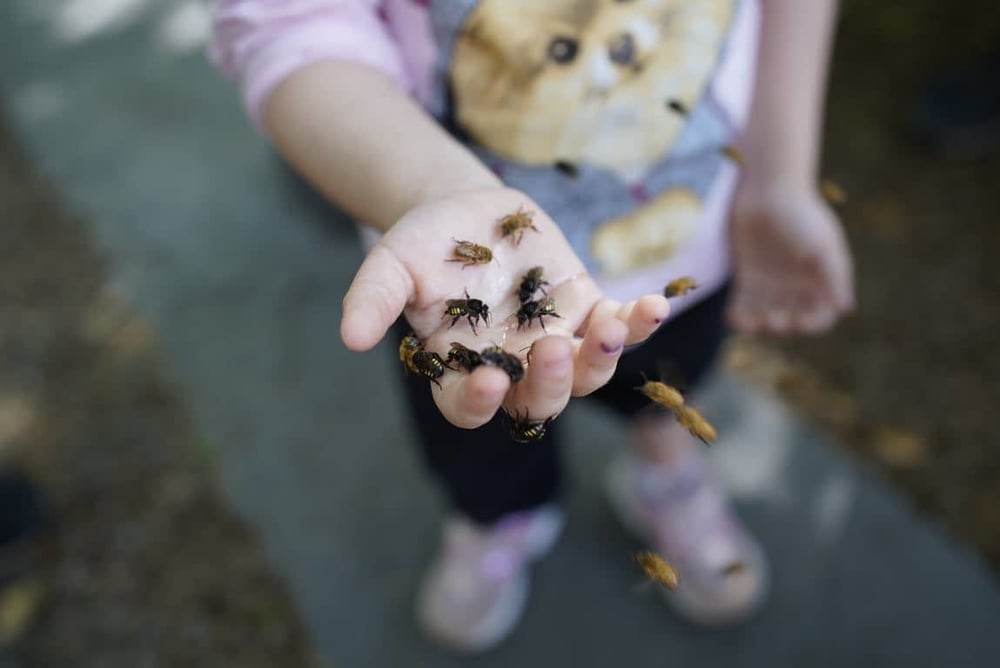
pixel 622 50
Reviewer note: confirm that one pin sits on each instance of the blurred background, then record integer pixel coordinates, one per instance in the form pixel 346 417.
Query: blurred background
pixel 171 379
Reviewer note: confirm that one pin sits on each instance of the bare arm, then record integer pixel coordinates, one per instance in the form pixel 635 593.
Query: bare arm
pixel 782 138
pixel 364 144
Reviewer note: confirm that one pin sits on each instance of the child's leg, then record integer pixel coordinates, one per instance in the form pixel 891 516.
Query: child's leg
pixel 684 347
pixel 666 492
pixel 485 474
pixel 500 494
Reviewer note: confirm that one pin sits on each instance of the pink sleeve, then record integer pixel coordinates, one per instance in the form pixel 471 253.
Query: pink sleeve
pixel 260 42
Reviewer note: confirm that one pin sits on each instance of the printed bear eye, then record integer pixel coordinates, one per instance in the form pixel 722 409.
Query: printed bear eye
pixel 563 49
pixel 622 50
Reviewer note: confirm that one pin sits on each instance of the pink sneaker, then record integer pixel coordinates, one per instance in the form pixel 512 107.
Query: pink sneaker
pixel 475 591
pixel 683 513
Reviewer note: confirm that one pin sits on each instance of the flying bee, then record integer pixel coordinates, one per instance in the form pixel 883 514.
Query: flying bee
pixel 500 358
pixel 407 347
pixel 677 107
pixel 734 154
pixel 469 253
pixel 679 287
pixel 832 192
pixel 657 569
pixel 536 309
pixel 460 357
pixel 663 394
pixel 696 423
pixel 735 568
pixel 474 309
pixel 429 365
pixel 525 430
pixel 531 282
pixel 514 224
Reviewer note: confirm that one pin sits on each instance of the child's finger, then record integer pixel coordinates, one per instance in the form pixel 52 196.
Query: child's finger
pixel 643 317
pixel 375 299
pixel 598 355
pixel 545 390
pixel 471 401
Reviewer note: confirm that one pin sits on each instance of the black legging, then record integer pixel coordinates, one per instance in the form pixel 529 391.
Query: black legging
pixel 486 475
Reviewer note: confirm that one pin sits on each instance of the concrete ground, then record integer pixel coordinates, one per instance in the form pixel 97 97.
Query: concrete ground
pixel 241 276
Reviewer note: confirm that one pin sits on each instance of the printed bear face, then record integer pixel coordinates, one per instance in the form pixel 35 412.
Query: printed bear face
pixel 584 80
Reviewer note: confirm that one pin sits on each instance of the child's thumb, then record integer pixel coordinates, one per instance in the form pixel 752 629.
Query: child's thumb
pixel 375 299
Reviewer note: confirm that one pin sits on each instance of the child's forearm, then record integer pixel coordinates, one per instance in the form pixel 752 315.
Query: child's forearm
pixel 782 138
pixel 362 142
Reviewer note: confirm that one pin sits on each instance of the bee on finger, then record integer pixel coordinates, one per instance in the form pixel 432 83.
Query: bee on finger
pixel 663 394
pixel 679 287
pixel 462 358
pixel 514 224
pixel 429 365
pixel 536 310
pixel 657 568
pixel 469 253
pixel 735 568
pixel 525 430
pixel 474 309
pixel 532 282
pixel 696 423
pixel 500 358
pixel 407 347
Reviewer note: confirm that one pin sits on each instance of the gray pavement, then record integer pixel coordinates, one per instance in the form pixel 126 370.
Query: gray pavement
pixel 242 277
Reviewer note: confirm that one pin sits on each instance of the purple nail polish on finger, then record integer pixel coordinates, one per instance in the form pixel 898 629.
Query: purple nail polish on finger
pixel 610 349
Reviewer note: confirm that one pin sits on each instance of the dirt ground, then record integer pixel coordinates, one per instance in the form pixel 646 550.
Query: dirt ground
pixel 909 382
pixel 151 568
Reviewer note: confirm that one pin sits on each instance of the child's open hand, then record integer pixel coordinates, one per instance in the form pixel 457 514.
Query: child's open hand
pixel 407 272
pixel 792 267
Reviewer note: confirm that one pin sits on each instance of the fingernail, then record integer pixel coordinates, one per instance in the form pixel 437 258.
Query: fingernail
pixel 657 321
pixel 610 349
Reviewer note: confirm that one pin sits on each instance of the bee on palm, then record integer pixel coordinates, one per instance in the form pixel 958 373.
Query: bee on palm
pixel 536 310
pixel 474 309
pixel 469 253
pixel 514 225
pixel 532 282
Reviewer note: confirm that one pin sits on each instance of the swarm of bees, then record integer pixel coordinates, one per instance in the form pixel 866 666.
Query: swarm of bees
pixel 474 309
pixel 657 569
pixel 672 399
pixel 513 225
pixel 679 287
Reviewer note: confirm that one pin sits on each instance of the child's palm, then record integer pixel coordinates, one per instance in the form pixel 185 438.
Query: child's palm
pixel 408 271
